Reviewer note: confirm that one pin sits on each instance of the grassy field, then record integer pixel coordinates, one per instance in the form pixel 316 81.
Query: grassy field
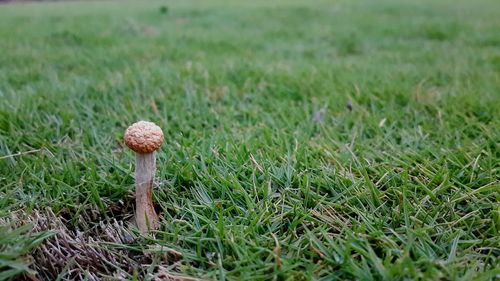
pixel 305 140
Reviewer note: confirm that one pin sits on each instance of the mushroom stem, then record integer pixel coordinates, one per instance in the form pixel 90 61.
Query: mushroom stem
pixel 146 217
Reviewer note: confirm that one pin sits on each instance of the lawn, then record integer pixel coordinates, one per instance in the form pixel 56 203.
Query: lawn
pixel 304 140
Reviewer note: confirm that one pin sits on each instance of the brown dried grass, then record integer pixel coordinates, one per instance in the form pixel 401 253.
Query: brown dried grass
pixel 102 249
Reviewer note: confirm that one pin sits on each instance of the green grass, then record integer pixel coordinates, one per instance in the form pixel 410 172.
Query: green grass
pixel 265 174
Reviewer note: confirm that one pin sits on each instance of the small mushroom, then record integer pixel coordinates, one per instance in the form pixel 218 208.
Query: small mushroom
pixel 144 138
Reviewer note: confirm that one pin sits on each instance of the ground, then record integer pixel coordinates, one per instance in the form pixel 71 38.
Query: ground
pixel 304 139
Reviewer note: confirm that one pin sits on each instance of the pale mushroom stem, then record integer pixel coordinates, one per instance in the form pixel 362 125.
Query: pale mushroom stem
pixel 146 217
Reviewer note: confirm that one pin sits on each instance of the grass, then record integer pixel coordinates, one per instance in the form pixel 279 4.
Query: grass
pixel 265 174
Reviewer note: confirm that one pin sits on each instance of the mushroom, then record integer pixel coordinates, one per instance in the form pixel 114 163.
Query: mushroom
pixel 144 138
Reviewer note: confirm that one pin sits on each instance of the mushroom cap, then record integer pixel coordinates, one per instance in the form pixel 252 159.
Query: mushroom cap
pixel 143 137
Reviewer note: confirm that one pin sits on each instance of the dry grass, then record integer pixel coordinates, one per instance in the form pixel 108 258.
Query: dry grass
pixel 94 250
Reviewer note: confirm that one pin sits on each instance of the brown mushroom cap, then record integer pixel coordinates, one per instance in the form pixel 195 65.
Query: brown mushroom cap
pixel 143 137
